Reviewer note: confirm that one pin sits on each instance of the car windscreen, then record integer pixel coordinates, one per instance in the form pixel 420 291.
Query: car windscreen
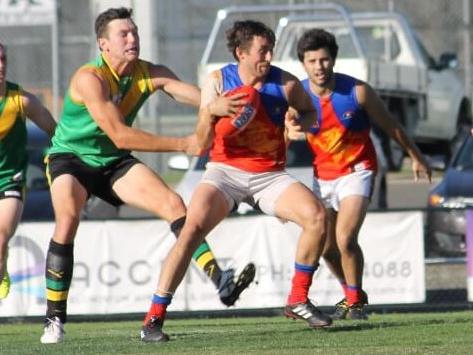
pixel 464 158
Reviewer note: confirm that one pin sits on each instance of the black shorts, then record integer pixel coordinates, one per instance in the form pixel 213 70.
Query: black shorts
pixel 13 192
pixel 97 181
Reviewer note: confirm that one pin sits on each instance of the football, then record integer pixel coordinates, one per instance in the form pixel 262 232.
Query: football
pixel 230 125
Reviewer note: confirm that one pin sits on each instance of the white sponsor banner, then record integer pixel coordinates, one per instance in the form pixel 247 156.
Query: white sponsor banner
pixel 116 265
pixel 27 12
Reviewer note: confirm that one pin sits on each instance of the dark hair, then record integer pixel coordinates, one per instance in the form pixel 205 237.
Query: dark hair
pixel 316 39
pixel 242 32
pixel 109 15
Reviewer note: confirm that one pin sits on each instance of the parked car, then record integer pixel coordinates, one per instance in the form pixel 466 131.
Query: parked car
pixel 299 165
pixel 38 204
pixel 447 203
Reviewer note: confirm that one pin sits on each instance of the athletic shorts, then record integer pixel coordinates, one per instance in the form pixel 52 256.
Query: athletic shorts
pixel 17 191
pixel 260 190
pixel 97 181
pixel 331 192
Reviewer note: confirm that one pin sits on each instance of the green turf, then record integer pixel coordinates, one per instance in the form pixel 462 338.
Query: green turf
pixel 420 333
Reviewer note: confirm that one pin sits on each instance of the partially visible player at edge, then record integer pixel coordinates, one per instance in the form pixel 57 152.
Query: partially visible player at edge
pixel 16 105
pixel 248 166
pixel 90 154
pixel 345 160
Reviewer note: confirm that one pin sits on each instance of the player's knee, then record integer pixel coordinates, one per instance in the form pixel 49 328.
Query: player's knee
pixel 176 204
pixel 5 235
pixel 348 246
pixel 313 219
pixel 330 255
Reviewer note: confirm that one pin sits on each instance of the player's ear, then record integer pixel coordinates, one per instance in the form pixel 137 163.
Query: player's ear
pixel 101 43
pixel 239 52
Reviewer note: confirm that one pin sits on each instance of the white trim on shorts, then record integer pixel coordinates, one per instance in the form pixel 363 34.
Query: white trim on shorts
pixel 261 189
pixel 357 183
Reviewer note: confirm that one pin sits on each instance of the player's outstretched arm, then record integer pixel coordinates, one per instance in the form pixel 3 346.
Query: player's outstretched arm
pixel 379 113
pixel 37 113
pixel 166 80
pixel 90 89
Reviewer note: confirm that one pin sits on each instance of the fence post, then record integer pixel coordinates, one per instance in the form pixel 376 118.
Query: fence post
pixel 469 253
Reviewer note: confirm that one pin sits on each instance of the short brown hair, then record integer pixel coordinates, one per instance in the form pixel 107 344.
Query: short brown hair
pixel 242 32
pixel 315 39
pixel 109 15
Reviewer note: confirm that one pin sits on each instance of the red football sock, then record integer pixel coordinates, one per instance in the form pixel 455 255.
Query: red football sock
pixel 353 294
pixel 157 310
pixel 300 287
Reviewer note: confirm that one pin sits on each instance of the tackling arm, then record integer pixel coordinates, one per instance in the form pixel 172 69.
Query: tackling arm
pixel 93 91
pixel 164 79
pixel 37 113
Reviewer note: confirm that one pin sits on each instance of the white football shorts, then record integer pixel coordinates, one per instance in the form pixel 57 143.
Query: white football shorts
pixel 257 189
pixel 331 192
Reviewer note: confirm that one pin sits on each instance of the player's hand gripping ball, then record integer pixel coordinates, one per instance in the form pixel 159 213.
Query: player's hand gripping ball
pixel 233 124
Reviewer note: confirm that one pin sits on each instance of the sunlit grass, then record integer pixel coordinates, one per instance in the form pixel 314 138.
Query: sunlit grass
pixel 413 333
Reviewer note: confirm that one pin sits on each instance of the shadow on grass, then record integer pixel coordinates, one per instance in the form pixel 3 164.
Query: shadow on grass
pixel 270 326
pixel 358 326
pixel 368 325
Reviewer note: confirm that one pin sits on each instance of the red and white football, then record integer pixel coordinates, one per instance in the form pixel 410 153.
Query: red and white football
pixel 230 125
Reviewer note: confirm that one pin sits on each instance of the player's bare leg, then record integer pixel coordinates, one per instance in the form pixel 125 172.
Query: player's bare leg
pixel 207 208
pixel 298 204
pixel 349 220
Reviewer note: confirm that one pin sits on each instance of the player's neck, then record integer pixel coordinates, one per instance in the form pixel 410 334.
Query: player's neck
pixel 120 67
pixel 251 79
pixel 322 90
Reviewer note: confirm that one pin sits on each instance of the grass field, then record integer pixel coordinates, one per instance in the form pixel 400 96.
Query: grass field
pixel 406 333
